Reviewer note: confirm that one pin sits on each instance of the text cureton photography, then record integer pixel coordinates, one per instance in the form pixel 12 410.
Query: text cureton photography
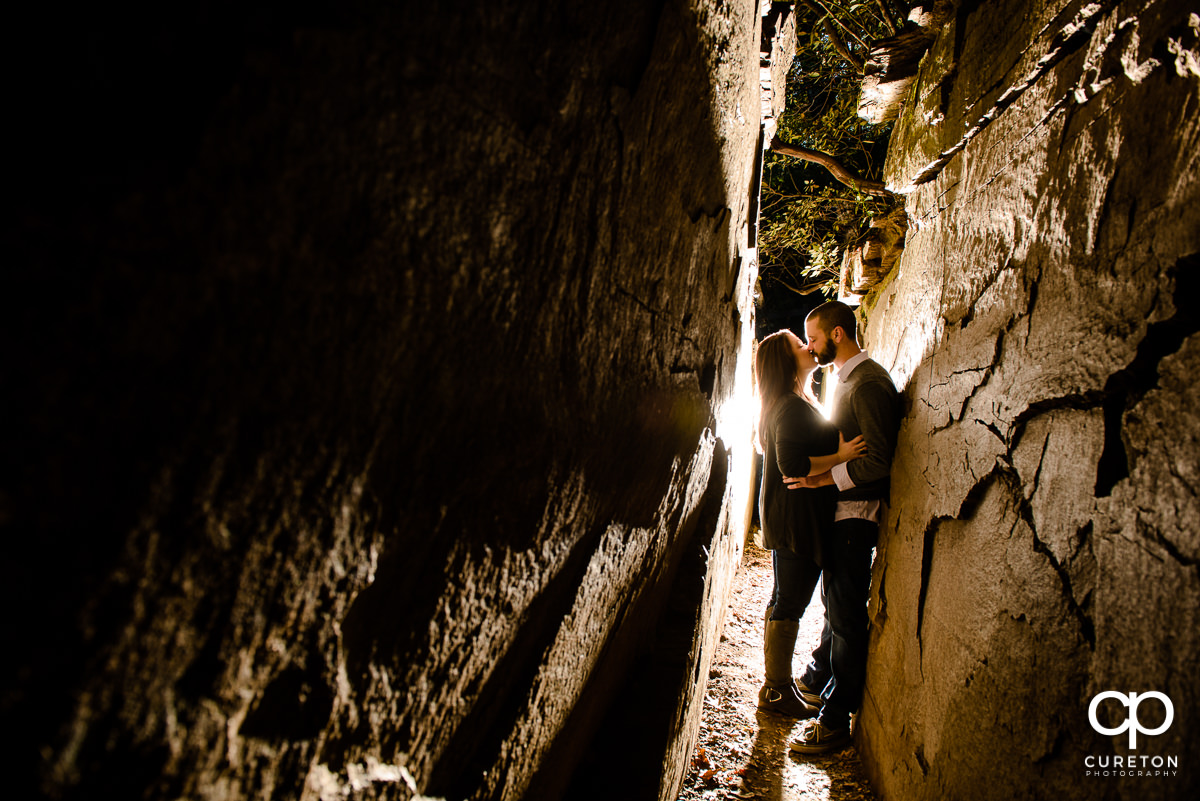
pixel 1131 765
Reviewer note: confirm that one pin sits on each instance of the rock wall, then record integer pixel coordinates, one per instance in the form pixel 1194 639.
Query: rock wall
pixel 1044 532
pixel 371 395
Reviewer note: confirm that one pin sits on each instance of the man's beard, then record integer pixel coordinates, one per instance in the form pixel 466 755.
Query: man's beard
pixel 826 355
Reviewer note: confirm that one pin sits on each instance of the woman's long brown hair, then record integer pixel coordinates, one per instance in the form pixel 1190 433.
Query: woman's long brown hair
pixel 775 371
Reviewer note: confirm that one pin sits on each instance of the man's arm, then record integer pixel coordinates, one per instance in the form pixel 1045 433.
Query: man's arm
pixel 875 408
pixel 809 482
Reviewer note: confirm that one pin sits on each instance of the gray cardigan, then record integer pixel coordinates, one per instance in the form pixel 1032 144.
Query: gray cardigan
pixel 867 403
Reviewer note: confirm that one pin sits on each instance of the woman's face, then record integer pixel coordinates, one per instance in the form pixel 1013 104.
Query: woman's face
pixel 805 361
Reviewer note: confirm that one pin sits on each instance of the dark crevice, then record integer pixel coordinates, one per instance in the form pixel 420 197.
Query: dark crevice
pixel 1033 283
pixel 925 475
pixel 708 379
pixel 1113 465
pixel 983 369
pixel 622 290
pixel 983 662
pixel 962 13
pixel 1087 628
pixel 1032 286
pixel 1153 534
pixel 1129 221
pixel 926 569
pixel 939 429
pixel 295 706
pixel 1037 472
pixel 1083 537
pixel 716 212
pixel 922 762
pixel 1016 435
pixel 477 740
pixel 993 428
pixel 1106 205
pixel 946 88
pixel 1175 553
pixel 1185 483
pixel 1126 387
pixel 881 612
pixel 755 192
pixel 965 511
pixel 1082 401
pixel 203 674
pixel 1083 564
pixel 987 374
pixel 659 666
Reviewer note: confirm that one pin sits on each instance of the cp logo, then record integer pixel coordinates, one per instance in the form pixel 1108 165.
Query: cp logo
pixel 1131 721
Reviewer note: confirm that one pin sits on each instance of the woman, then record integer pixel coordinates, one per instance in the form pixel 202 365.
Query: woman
pixel 796 441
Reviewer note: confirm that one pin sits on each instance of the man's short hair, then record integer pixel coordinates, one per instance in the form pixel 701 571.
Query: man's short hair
pixel 834 313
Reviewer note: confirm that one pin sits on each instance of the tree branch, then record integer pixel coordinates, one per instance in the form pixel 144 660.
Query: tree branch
pixel 835 38
pixel 888 20
pixel 833 165
pixel 805 288
pixel 840 46
pixel 841 24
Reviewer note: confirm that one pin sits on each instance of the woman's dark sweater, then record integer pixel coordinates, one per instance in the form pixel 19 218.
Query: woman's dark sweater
pixel 795 519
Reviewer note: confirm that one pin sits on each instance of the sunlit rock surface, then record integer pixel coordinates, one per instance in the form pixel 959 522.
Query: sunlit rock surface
pixel 1043 539
pixel 372 397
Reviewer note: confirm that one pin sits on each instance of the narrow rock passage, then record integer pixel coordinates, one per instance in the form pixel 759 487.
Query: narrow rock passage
pixel 741 752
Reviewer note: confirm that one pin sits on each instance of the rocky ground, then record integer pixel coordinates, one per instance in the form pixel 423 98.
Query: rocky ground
pixel 741 752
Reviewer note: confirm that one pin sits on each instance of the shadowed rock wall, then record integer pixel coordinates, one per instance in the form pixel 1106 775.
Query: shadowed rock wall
pixel 1044 534
pixel 369 370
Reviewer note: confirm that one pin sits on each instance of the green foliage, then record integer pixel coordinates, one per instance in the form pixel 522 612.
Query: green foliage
pixel 806 213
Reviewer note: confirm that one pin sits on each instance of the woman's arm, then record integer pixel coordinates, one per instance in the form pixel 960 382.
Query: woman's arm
pixel 794 443
pixel 845 452
pixel 804 465
pixel 792 457
pixel 818 474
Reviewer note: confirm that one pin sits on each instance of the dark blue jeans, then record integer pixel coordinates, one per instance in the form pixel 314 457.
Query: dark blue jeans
pixel 795 579
pixel 839 664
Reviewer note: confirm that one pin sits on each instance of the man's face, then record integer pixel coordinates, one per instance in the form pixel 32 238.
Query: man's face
pixel 819 344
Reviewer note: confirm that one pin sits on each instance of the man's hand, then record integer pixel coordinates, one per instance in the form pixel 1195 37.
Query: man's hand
pixel 809 482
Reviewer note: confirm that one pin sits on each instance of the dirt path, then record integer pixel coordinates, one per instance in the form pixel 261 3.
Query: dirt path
pixel 741 752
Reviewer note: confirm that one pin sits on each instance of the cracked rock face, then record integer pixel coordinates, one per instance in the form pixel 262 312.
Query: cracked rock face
pixel 1042 542
pixel 374 367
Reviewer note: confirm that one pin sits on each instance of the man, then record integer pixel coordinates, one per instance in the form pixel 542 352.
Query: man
pixel 866 402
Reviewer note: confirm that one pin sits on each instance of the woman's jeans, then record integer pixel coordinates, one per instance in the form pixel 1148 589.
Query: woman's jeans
pixel 795 579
